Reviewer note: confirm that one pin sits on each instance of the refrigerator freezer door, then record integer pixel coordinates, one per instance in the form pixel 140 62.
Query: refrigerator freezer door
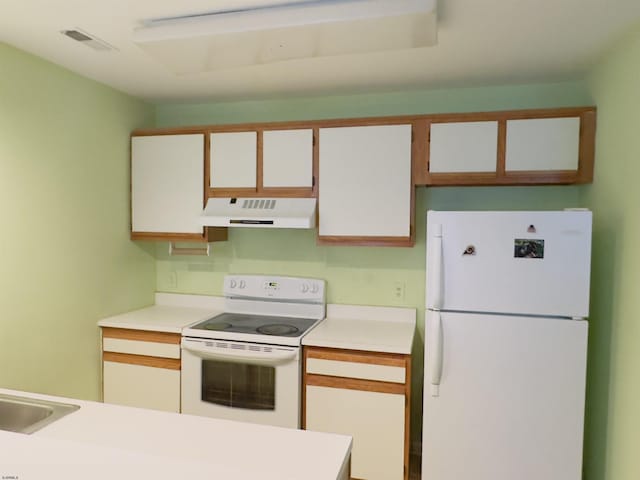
pixel 530 263
pixel 511 398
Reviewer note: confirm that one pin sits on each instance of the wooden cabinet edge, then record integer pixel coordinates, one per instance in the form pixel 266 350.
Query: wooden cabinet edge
pixel 510 178
pixel 269 192
pixel 347 383
pixel 587 148
pixel 142 360
pixel 211 234
pixel 584 173
pixel 357 356
pixel 366 241
pixel 141 335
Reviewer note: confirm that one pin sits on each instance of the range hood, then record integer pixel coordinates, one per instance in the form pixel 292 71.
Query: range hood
pixel 260 212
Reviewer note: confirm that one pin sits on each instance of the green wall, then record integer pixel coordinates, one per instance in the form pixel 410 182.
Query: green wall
pixel 359 275
pixel 65 256
pixel 614 390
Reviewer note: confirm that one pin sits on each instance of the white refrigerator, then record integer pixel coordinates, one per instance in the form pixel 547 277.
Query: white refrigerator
pixel 505 345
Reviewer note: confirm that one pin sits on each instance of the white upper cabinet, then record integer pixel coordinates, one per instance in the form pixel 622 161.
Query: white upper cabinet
pixel 167 182
pixel 287 158
pixel 463 147
pixel 543 144
pixel 365 187
pixel 233 159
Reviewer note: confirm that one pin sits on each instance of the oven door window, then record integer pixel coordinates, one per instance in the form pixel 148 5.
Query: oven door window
pixel 239 385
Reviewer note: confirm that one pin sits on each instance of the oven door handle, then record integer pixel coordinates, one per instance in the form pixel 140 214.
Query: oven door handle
pixel 262 358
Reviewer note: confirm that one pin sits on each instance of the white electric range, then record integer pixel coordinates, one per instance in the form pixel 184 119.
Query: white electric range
pixel 245 364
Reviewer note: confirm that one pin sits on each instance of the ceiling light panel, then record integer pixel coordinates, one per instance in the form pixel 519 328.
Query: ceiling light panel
pixel 229 39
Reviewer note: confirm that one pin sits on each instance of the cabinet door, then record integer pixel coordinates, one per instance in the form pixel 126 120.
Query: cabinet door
pixel 287 158
pixel 365 187
pixel 233 159
pixel 375 420
pixel 141 386
pixel 167 182
pixel 543 144
pixel 463 147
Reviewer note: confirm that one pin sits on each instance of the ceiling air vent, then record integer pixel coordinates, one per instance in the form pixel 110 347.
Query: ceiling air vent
pixel 88 40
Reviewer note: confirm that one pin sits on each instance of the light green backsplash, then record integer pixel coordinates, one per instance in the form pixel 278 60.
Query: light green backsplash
pixel 614 380
pixel 65 255
pixel 360 275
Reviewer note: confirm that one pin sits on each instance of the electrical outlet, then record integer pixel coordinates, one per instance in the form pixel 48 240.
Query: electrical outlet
pixel 398 291
pixel 172 279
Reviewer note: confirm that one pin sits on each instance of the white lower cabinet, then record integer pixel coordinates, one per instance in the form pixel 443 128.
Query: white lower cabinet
pixel 141 386
pixel 141 368
pixel 364 395
pixel 374 419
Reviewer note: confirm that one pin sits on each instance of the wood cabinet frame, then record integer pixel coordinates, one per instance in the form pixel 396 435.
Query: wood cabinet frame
pixel 586 151
pixel 136 359
pixel 260 190
pixel 357 356
pixel 419 163
pixel 209 234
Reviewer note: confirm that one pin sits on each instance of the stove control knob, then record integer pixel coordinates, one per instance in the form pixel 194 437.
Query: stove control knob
pixel 233 283
pixel 314 288
pixel 304 288
pixel 243 284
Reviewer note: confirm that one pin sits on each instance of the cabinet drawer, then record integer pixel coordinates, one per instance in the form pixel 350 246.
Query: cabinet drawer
pixel 141 386
pixel 137 347
pixel 364 371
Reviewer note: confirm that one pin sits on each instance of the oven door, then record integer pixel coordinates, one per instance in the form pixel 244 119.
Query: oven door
pixel 248 382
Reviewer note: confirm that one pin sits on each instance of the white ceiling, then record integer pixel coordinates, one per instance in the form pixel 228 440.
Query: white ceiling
pixel 480 42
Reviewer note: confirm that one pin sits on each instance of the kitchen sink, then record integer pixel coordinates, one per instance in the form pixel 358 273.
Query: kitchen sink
pixel 27 415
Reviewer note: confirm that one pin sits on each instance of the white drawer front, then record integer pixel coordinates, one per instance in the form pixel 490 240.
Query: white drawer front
pixel 363 371
pixel 141 386
pixel 137 347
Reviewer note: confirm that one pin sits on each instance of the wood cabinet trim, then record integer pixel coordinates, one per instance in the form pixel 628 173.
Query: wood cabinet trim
pixel 587 148
pixel 141 335
pixel 271 192
pixel 501 163
pixel 207 169
pixel 142 360
pixel 357 356
pixel 420 151
pixel 368 241
pixel 313 380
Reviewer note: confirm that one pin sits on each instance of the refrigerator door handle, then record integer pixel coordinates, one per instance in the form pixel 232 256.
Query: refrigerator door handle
pixel 437 298
pixel 436 355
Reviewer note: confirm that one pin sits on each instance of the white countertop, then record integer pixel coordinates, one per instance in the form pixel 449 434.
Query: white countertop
pixel 375 329
pixel 352 327
pixel 111 441
pixel 171 313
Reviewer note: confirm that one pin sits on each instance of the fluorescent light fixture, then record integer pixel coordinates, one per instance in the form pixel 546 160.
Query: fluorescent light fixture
pixel 227 39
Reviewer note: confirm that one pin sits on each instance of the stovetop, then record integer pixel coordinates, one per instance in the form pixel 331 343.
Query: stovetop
pixel 256 325
pixel 271 310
